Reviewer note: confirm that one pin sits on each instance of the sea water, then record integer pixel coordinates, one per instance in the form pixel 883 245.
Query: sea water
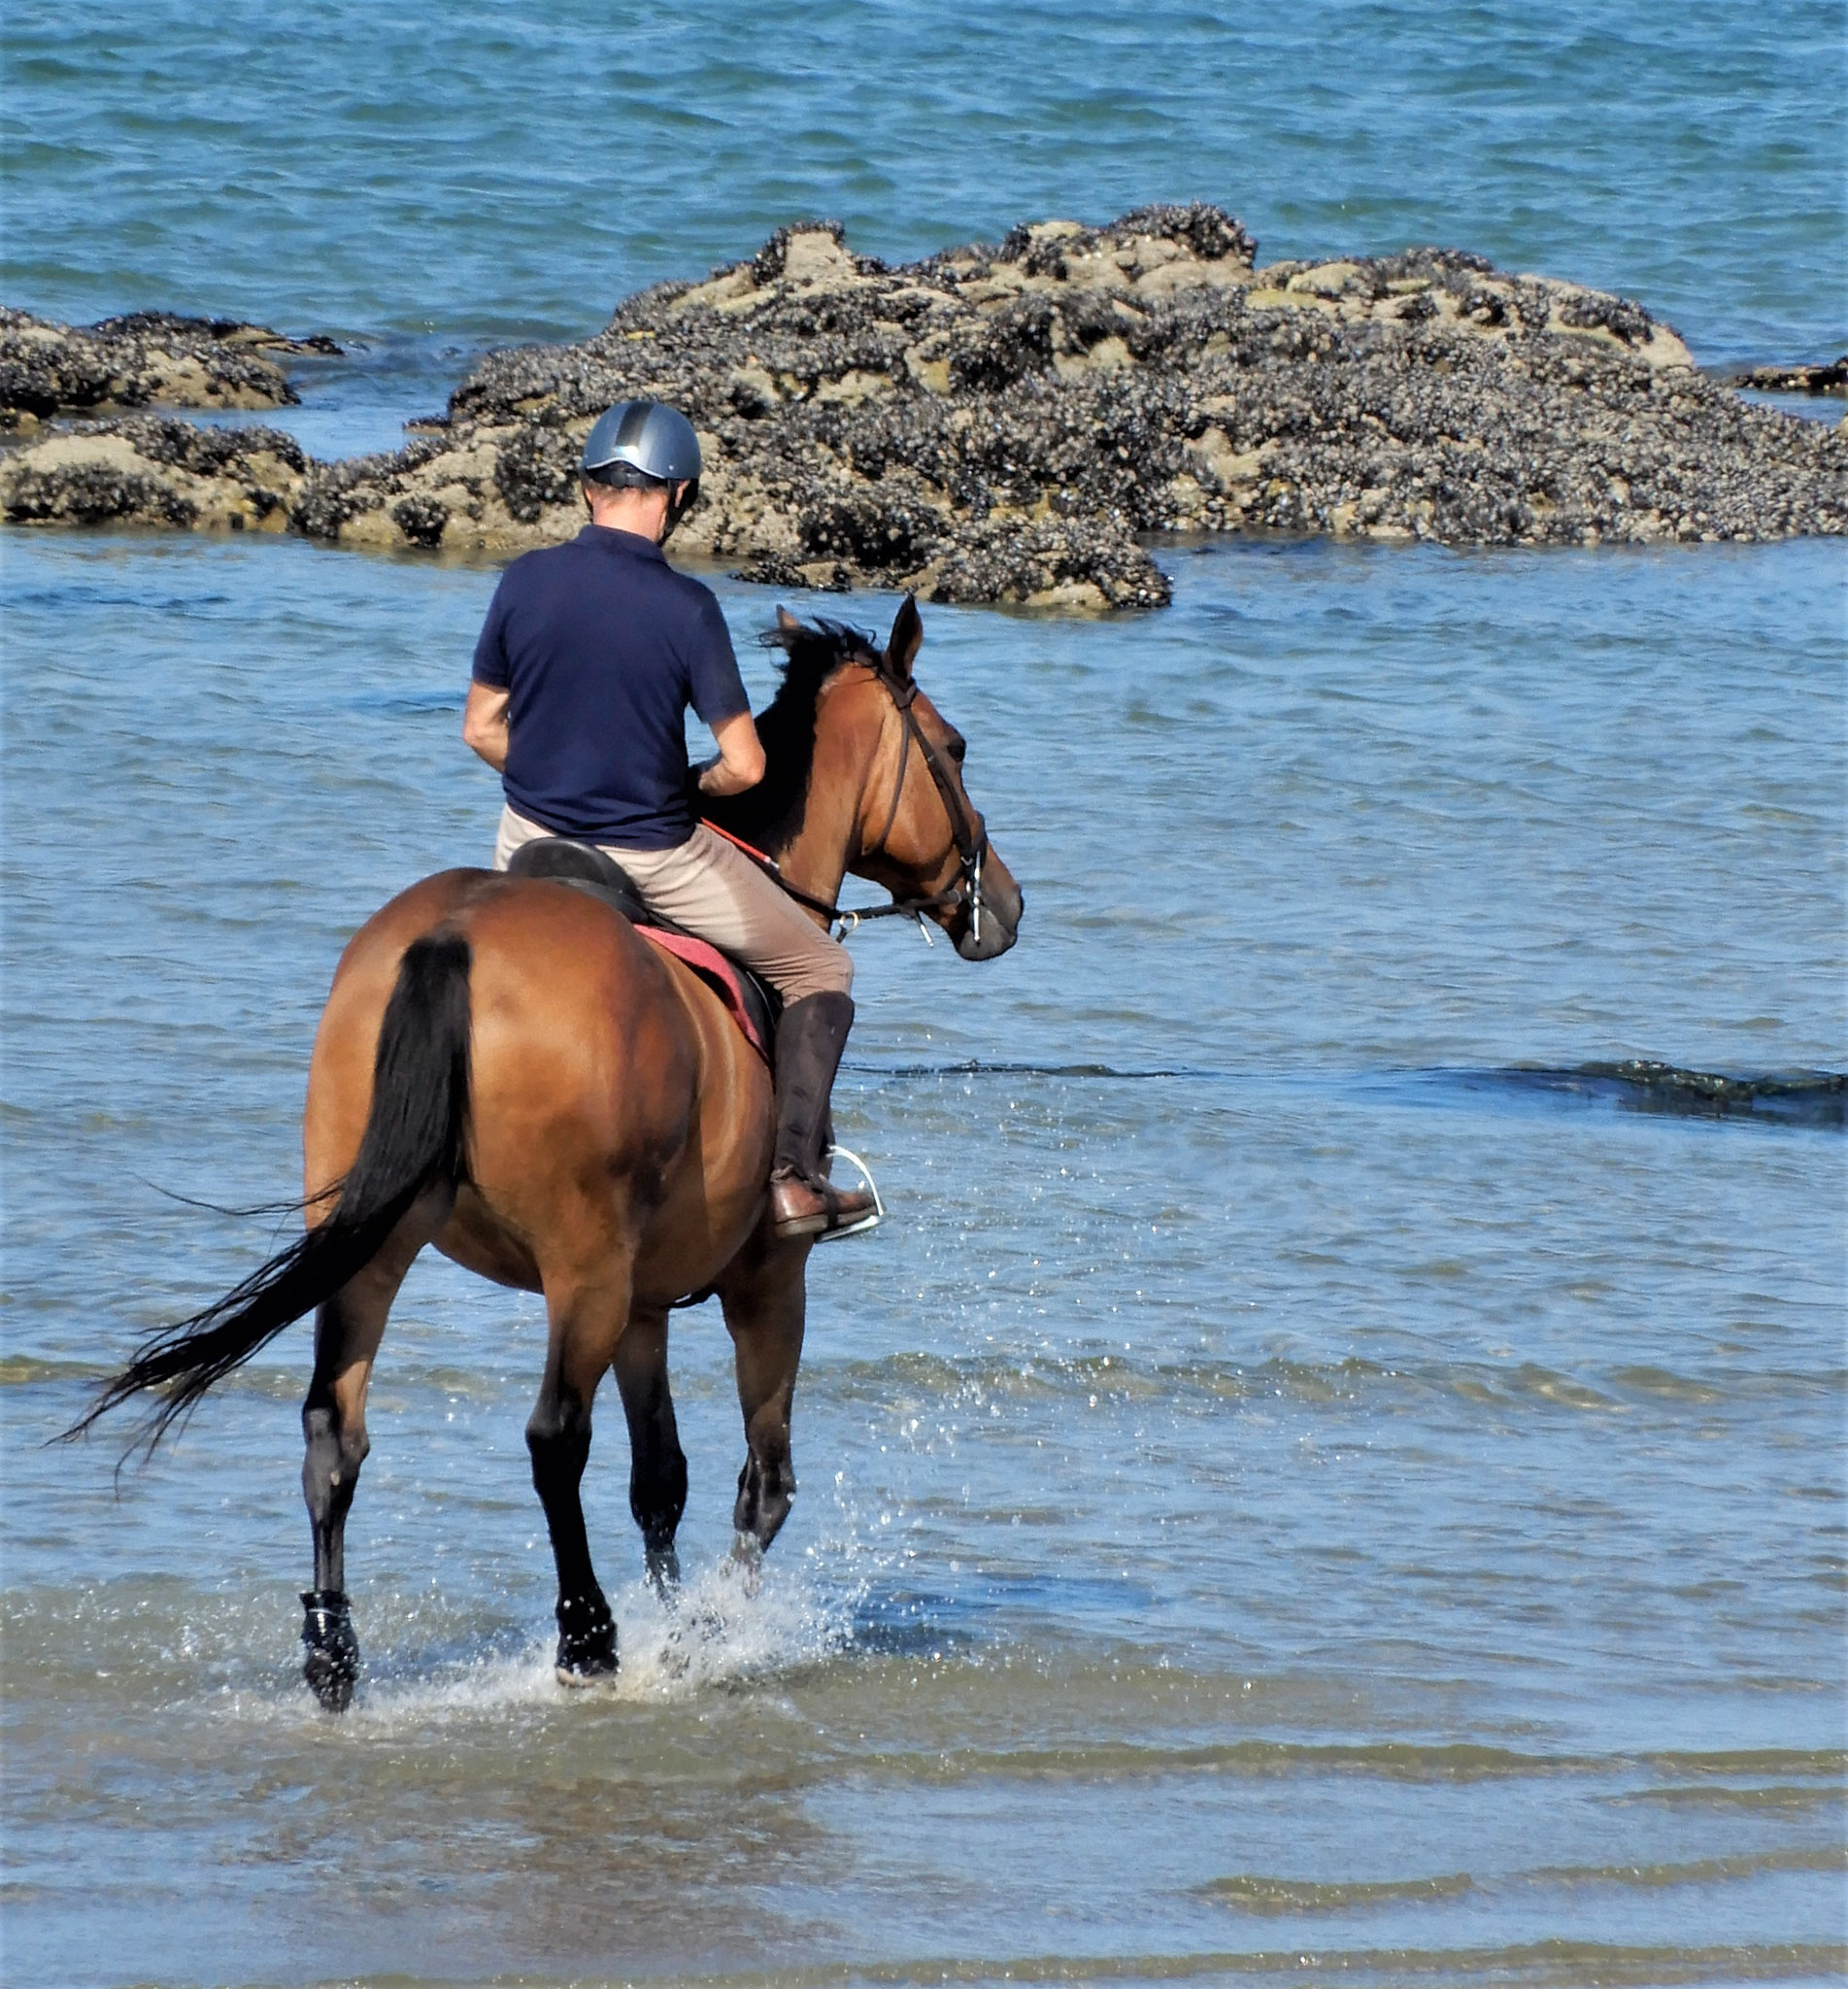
pixel 1288 1490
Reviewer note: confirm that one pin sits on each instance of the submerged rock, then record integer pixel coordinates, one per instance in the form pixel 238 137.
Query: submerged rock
pixel 1010 423
pixel 1816 1099
pixel 150 359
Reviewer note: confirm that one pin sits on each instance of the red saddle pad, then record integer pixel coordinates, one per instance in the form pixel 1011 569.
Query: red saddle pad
pixel 717 972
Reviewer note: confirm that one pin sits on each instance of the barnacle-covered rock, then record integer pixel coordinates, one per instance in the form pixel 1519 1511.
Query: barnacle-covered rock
pixel 1013 422
pixel 149 359
pixel 153 471
pixel 1017 422
pixel 1826 376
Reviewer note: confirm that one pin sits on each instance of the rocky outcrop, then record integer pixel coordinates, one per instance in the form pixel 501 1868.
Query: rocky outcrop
pixel 151 470
pixel 1011 423
pixel 1829 377
pixel 149 359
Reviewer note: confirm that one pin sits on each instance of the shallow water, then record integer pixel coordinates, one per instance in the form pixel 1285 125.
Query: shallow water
pixel 1275 1487
pixel 1320 1473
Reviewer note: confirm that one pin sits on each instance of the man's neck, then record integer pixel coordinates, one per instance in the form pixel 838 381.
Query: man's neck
pixel 642 513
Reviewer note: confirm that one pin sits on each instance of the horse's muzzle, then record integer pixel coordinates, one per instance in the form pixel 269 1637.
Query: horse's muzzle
pixel 1002 903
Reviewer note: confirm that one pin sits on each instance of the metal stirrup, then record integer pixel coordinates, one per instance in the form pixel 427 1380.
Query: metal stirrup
pixel 875 1216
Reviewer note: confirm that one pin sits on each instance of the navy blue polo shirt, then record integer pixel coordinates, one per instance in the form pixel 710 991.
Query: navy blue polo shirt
pixel 602 647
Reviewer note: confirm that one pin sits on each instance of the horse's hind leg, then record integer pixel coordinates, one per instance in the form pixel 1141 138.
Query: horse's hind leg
pixel 765 1301
pixel 347 1329
pixel 658 1465
pixel 586 1320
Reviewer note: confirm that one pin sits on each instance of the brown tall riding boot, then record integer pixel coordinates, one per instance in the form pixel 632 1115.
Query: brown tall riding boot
pixel 810 1039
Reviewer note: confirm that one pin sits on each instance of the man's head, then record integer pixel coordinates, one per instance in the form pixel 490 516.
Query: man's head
pixel 641 468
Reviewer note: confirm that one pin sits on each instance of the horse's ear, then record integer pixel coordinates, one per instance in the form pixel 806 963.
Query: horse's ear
pixel 787 621
pixel 906 638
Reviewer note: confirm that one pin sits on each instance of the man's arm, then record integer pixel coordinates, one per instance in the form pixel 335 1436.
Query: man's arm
pixel 484 723
pixel 740 761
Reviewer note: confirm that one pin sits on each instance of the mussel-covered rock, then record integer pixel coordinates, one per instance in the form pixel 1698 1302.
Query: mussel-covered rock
pixel 1019 422
pixel 153 471
pixel 1829 376
pixel 149 359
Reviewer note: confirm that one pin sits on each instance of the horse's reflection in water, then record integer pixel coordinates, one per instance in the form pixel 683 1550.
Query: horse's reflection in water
pixel 504 1069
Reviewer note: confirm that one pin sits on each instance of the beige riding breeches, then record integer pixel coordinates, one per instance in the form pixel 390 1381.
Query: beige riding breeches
pixel 717 891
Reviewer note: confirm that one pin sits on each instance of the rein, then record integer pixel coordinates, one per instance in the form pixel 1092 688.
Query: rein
pixel 971 840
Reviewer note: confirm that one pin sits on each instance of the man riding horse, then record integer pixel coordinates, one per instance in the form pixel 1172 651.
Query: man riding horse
pixel 510 1073
pixel 590 656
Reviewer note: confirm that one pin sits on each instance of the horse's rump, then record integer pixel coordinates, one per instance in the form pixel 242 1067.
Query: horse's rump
pixel 606 1078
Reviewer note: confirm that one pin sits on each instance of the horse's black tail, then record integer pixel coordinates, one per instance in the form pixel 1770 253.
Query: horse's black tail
pixel 416 1136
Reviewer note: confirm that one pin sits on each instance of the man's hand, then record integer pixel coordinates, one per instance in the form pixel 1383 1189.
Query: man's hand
pixel 740 761
pixel 484 723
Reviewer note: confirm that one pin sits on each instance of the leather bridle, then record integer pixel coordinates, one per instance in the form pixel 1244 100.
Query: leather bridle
pixel 970 831
pixel 971 834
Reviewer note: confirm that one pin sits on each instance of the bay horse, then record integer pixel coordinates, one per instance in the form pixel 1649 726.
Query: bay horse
pixel 506 1070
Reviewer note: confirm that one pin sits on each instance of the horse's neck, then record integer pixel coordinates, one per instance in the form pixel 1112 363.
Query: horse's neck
pixel 827 839
pixel 816 858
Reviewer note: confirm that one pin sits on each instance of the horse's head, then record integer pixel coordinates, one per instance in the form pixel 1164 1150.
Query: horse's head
pixel 865 775
pixel 920 835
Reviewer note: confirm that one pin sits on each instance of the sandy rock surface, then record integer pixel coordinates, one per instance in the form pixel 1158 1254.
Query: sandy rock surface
pixel 1001 423
pixel 149 359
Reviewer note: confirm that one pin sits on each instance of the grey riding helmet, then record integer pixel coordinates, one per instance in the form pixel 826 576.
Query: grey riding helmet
pixel 642 441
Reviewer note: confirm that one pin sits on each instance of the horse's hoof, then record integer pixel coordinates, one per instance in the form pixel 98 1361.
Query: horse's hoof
pixel 330 1681
pixel 587 1639
pixel 746 1565
pixel 663 1569
pixel 332 1664
pixel 583 1680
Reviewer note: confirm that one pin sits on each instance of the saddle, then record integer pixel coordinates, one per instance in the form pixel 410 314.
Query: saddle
pixel 749 1000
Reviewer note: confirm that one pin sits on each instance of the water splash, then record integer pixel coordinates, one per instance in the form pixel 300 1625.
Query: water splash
pixel 727 1627
pixel 731 1625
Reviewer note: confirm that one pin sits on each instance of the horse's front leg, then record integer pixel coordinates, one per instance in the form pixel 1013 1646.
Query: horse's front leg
pixel 765 1299
pixel 658 1465
pixel 587 1318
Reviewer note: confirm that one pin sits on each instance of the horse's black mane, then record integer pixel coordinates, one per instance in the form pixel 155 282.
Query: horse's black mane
pixel 769 813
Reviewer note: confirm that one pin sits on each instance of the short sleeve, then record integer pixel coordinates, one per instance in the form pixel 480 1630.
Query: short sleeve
pixel 491 650
pixel 715 687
